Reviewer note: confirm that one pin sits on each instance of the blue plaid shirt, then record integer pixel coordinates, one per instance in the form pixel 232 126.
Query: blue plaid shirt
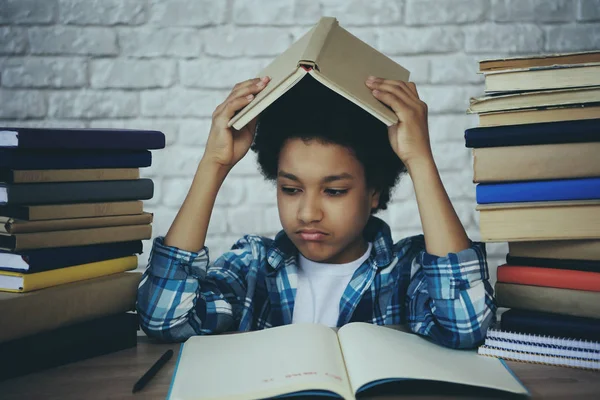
pixel 253 287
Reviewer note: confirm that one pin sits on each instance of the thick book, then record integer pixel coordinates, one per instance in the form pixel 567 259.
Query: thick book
pixel 81 139
pixel 543 78
pixel 335 58
pixel 79 210
pixel 549 277
pixel 81 159
pixel 578 303
pixel 558 249
pixel 263 364
pixel 68 344
pixel 549 324
pixel 67 175
pixel 555 263
pixel 534 100
pixel 576 112
pixel 24 314
pixel 536 162
pixel 553 220
pixel 542 133
pixel 31 261
pixel 76 192
pixel 551 190
pixel 542 60
pixel 566 352
pixel 11 225
pixel 19 282
pixel 74 237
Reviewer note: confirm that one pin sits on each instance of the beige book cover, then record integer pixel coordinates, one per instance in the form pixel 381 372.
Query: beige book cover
pixel 74 237
pixel 11 225
pixel 24 314
pixel 578 303
pixel 337 59
pixel 312 359
pixel 559 249
pixel 552 220
pixel 536 162
pixel 68 175
pixel 533 100
pixel 539 60
pixel 541 78
pixel 77 210
pixel 533 116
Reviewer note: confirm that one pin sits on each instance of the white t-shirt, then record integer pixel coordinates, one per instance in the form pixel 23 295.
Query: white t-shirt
pixel 320 289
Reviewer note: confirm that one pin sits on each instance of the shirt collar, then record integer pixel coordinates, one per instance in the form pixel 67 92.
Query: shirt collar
pixel 376 231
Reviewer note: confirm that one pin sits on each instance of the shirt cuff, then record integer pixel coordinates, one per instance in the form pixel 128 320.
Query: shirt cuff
pixel 448 276
pixel 170 262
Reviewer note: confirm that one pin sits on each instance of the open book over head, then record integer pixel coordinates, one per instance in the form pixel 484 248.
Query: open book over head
pixel 337 59
pixel 314 360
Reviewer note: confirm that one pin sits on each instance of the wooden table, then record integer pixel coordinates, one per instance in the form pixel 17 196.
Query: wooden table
pixel 113 376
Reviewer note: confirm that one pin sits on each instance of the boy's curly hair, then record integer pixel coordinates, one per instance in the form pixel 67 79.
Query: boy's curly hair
pixel 309 111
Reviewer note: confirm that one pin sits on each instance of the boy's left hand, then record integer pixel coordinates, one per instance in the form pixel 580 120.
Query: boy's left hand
pixel 410 136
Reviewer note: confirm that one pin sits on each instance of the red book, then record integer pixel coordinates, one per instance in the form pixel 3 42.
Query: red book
pixel 550 277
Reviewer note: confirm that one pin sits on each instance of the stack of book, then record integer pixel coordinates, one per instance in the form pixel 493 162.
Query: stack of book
pixel 71 225
pixel 537 171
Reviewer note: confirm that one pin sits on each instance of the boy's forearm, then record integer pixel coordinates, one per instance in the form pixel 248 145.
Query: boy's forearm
pixel 188 230
pixel 444 233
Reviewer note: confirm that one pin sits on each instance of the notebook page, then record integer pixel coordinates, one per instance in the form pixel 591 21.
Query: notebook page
pixel 374 352
pixel 261 364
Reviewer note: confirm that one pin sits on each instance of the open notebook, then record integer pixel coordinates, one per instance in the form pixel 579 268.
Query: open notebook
pixel 311 359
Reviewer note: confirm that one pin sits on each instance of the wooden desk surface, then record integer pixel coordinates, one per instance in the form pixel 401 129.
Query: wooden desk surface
pixel 113 376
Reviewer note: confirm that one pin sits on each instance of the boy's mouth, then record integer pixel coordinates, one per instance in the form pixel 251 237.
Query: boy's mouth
pixel 312 235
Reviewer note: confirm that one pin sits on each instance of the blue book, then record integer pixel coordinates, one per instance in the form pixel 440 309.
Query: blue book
pixel 540 133
pixel 554 190
pixel 35 159
pixel 38 260
pixel 81 139
pixel 547 324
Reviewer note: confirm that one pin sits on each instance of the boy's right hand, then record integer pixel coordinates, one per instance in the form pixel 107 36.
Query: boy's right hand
pixel 226 146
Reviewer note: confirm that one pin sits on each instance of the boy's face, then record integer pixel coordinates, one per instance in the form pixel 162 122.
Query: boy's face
pixel 324 203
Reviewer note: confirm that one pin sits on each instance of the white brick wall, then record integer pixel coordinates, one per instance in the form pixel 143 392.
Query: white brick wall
pixel 166 64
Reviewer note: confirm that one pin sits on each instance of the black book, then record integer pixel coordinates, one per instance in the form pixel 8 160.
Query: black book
pixel 68 344
pixel 575 265
pixel 80 159
pixel 84 138
pixel 76 192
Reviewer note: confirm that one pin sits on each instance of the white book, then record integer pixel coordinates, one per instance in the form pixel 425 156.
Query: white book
pixel 314 359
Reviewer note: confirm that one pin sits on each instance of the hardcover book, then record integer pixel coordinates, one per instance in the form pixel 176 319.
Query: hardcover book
pixel 31 261
pixel 19 282
pixel 536 162
pixel 64 345
pixel 263 364
pixel 67 175
pixel 80 159
pixel 63 211
pixel 24 314
pixel 81 139
pixel 74 237
pixel 75 192
pixel 540 133
pixel 335 58
pixel 549 324
pixel 537 221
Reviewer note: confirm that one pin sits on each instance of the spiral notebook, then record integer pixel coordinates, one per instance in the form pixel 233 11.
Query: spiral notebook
pixel 540 349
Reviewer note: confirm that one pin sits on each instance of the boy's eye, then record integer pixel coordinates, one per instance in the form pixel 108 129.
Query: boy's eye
pixel 289 190
pixel 336 192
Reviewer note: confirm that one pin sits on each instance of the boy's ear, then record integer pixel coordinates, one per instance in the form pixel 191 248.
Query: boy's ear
pixel 375 199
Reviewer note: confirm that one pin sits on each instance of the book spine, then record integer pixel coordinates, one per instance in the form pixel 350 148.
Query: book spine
pixel 553 341
pixel 317 42
pixel 548 277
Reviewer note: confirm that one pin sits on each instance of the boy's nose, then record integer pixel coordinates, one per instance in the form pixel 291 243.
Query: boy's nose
pixel 310 210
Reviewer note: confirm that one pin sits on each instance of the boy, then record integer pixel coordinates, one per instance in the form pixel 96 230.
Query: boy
pixel 333 262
